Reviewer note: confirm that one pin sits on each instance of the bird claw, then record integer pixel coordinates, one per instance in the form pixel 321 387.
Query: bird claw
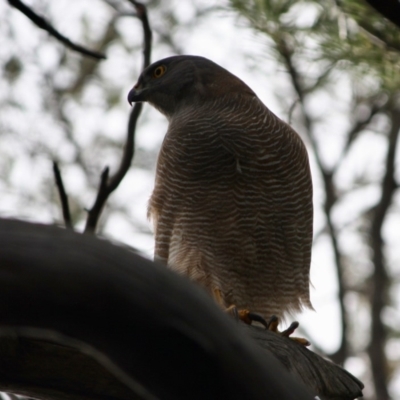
pixel 293 326
pixel 257 318
pixel 246 316
pixel 273 323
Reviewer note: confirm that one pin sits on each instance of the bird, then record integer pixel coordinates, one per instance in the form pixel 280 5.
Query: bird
pixel 232 204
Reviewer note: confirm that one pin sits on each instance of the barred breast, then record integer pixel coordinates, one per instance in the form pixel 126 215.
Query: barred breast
pixel 232 204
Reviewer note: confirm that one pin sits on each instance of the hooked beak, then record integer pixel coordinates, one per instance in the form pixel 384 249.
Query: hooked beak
pixel 136 94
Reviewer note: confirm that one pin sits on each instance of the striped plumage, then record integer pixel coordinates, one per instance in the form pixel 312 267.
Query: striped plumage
pixel 232 203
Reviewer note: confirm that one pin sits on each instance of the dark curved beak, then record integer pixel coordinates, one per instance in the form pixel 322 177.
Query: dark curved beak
pixel 135 95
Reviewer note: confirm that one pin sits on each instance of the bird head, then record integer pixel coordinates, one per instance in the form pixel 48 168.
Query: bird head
pixel 180 81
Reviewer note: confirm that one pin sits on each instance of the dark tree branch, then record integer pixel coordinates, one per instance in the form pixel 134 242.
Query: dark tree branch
pixel 286 54
pixel 380 280
pixel 141 13
pixel 52 371
pixel 322 78
pixel 330 200
pixel 157 332
pixel 55 103
pixel 63 196
pixel 152 329
pixel 358 126
pixel 109 185
pixel 101 198
pixel 390 9
pixel 43 24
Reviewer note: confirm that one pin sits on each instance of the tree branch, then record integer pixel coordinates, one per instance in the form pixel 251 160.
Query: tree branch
pixel 358 126
pixel 330 194
pixel 113 182
pixel 43 24
pixel 155 331
pixel 52 371
pixel 380 281
pixel 141 12
pixel 63 196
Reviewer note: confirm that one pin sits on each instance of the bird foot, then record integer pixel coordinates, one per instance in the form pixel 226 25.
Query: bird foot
pixel 246 316
pixel 240 314
pixel 273 323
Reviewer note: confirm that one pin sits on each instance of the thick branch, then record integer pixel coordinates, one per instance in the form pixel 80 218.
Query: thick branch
pixel 49 370
pixel 45 25
pixel 150 327
pixel 108 186
pixel 154 330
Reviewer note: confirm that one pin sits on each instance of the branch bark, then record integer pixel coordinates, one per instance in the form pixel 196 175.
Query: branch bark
pixel 109 184
pixel 154 331
pixel 45 25
pixel 63 195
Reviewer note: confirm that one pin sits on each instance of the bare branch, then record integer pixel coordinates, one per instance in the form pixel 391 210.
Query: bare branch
pixel 102 195
pixel 141 12
pixel 43 24
pixel 291 110
pixel 376 105
pixel 63 196
pixel 330 200
pixel 112 183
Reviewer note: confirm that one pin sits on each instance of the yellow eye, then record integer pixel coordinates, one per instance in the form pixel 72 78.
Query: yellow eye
pixel 159 71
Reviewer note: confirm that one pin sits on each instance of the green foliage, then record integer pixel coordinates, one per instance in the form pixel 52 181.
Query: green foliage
pixel 348 34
